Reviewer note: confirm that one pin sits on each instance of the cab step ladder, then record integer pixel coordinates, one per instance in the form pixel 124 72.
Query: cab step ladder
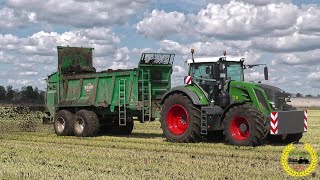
pixel 204 123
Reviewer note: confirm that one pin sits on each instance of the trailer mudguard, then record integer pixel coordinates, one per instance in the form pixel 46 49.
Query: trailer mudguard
pixel 195 94
pixel 288 122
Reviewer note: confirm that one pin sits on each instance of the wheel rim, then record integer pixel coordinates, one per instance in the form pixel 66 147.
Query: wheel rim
pixel 79 125
pixel 177 119
pixel 61 124
pixel 239 128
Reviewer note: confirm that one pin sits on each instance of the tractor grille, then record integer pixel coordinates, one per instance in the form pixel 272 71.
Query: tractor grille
pixel 261 99
pixel 276 95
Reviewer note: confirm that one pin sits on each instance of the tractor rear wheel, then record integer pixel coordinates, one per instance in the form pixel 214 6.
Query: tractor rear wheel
pixel 86 123
pixel 180 119
pixel 244 125
pixel 63 123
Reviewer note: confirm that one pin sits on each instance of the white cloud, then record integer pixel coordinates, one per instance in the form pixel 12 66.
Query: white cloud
pixel 202 48
pixel 238 20
pixel 4 58
pixel 309 21
pixel 234 20
pixel 178 74
pixel 122 54
pixel 254 76
pixel 315 76
pixel 10 18
pixel 80 13
pixel 159 24
pixel 45 43
pixel 29 73
pixel 20 82
pixel 294 42
pixel 298 58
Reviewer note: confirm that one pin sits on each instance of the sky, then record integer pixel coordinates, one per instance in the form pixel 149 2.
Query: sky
pixel 285 34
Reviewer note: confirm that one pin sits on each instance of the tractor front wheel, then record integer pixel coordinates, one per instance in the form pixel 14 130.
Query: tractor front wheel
pixel 245 126
pixel 180 119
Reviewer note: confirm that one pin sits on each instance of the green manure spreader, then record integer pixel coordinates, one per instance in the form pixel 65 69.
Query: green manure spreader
pixel 83 102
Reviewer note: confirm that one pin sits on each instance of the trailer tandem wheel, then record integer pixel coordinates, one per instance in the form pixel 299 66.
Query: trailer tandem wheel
pixel 86 123
pixel 63 123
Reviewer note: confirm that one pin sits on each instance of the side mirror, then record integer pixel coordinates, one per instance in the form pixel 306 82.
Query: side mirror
pixel 266 73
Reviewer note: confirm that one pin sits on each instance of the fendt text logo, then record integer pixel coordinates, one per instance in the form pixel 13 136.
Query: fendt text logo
pixel 299 163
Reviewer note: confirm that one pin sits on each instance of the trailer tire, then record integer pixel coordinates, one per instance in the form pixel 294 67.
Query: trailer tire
pixel 123 130
pixel 244 125
pixel 180 119
pixel 63 123
pixel 86 124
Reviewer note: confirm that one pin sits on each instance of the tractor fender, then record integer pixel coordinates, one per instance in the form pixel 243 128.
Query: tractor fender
pixel 231 106
pixel 193 96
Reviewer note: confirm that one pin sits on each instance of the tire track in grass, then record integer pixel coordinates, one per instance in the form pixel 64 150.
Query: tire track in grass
pixel 206 161
pixel 159 149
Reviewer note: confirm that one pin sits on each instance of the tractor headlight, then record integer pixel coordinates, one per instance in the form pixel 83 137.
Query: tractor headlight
pixel 273 105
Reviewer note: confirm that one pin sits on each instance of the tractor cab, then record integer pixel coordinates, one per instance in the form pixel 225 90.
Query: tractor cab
pixel 212 73
pixel 217 69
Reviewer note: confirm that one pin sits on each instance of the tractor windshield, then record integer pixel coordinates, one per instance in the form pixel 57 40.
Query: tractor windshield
pixel 203 71
pixel 234 72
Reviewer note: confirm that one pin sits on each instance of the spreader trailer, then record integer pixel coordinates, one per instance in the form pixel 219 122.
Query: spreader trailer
pixel 82 102
pixel 216 102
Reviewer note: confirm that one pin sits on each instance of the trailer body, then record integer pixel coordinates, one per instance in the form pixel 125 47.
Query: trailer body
pixel 114 95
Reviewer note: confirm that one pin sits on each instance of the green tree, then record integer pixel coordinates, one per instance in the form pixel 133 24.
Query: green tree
pixel 2 93
pixel 27 93
pixel 10 93
pixel 36 93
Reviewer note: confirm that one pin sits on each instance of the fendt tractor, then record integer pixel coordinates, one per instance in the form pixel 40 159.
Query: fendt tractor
pixel 216 102
pixel 83 102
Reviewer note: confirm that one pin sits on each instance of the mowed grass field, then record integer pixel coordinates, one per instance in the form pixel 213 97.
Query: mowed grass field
pixel 30 150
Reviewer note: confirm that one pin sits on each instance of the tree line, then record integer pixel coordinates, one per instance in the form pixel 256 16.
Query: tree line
pixel 26 94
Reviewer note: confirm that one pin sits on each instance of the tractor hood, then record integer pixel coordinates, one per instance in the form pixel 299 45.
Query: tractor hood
pixel 275 95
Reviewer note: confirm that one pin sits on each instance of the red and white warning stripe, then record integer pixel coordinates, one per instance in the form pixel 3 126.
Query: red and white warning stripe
pixel 187 80
pixel 305 121
pixel 274 123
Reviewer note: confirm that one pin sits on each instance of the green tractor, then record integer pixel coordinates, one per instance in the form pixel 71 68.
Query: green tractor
pixel 216 102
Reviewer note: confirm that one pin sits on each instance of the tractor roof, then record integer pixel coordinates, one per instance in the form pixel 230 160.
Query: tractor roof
pixel 216 59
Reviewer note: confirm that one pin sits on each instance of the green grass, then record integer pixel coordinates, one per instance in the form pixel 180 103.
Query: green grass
pixel 35 152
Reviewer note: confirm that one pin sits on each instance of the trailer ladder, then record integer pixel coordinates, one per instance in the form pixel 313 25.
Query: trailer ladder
pixel 122 103
pixel 145 95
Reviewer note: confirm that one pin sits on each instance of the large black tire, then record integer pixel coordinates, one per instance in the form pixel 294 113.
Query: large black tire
pixel 181 107
pixel 244 125
pixel 63 123
pixel 86 124
pixel 288 138
pixel 123 130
